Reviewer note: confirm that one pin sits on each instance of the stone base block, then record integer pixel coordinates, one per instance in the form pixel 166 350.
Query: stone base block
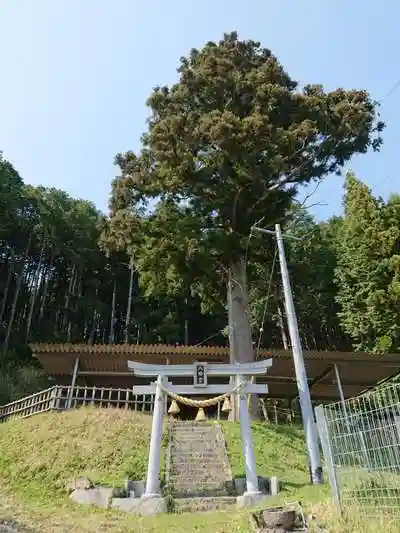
pixel 268 486
pixel 140 506
pixel 135 489
pixel 250 499
pixel 101 497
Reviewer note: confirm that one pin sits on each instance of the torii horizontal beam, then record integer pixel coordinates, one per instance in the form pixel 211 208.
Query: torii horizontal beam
pixel 210 390
pixel 237 369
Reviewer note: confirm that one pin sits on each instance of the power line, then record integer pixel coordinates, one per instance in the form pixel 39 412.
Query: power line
pixel 266 302
pixel 389 93
pixel 219 332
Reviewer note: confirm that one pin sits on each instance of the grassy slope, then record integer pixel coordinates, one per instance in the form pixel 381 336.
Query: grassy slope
pixel 38 455
pixel 279 452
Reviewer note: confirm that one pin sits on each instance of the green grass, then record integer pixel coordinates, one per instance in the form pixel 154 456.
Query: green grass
pixel 279 451
pixel 38 455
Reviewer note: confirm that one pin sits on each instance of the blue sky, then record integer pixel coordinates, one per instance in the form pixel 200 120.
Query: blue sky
pixel 76 74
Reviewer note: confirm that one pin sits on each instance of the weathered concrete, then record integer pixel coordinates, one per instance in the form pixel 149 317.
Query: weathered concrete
pixel 101 497
pixel 250 499
pixel 240 485
pixel 135 489
pixel 268 486
pixel 140 506
pixel 275 520
pixel 108 497
pixel 203 504
pixel 274 485
pixel 152 506
pixel 126 505
pixel 76 483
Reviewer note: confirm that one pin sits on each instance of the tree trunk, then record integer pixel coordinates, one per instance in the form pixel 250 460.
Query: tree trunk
pixel 7 287
pixel 112 320
pixel 240 339
pixel 73 293
pixel 129 304
pixel 282 328
pixel 186 326
pixel 92 335
pixel 22 314
pixel 67 299
pixel 46 287
pixel 34 293
pixel 15 299
pixel 240 315
pixel 44 294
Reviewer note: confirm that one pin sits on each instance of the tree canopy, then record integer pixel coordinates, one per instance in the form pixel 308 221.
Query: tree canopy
pixel 227 147
pixel 368 268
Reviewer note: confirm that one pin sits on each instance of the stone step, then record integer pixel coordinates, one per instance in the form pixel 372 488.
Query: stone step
pixel 189 431
pixel 195 433
pixel 214 462
pixel 197 456
pixel 197 449
pixel 203 437
pixel 191 423
pixel 190 427
pixel 195 487
pixel 195 444
pixel 196 452
pixel 184 466
pixel 201 482
pixel 187 448
pixel 196 437
pixel 195 476
pixel 203 504
pixel 197 480
pixel 176 468
pixel 199 472
pixel 197 465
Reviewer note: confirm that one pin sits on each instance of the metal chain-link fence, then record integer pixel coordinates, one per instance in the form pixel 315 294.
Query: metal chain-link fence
pixel 360 439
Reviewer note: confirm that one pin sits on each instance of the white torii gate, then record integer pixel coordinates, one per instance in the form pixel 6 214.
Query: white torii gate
pixel 200 372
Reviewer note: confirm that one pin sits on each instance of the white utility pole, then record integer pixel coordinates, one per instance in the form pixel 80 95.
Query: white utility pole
pixel 301 376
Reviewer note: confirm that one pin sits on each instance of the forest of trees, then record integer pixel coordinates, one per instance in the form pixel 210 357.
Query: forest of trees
pixel 158 267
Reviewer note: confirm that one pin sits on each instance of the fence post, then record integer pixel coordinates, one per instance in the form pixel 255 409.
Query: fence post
pixel 53 398
pixel 327 451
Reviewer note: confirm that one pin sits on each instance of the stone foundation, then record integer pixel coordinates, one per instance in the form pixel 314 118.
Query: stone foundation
pixel 131 499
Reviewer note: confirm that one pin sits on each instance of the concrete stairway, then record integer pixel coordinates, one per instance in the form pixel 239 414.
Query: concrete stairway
pixel 198 472
pixel 198 505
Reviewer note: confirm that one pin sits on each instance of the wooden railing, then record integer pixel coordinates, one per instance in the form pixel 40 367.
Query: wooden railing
pixel 60 398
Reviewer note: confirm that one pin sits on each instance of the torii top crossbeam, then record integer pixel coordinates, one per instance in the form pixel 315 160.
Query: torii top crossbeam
pixel 236 369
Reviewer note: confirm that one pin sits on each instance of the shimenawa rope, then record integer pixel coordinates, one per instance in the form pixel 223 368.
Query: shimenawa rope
pixel 201 403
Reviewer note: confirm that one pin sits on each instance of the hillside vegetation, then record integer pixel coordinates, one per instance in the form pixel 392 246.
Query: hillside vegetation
pixel 39 455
